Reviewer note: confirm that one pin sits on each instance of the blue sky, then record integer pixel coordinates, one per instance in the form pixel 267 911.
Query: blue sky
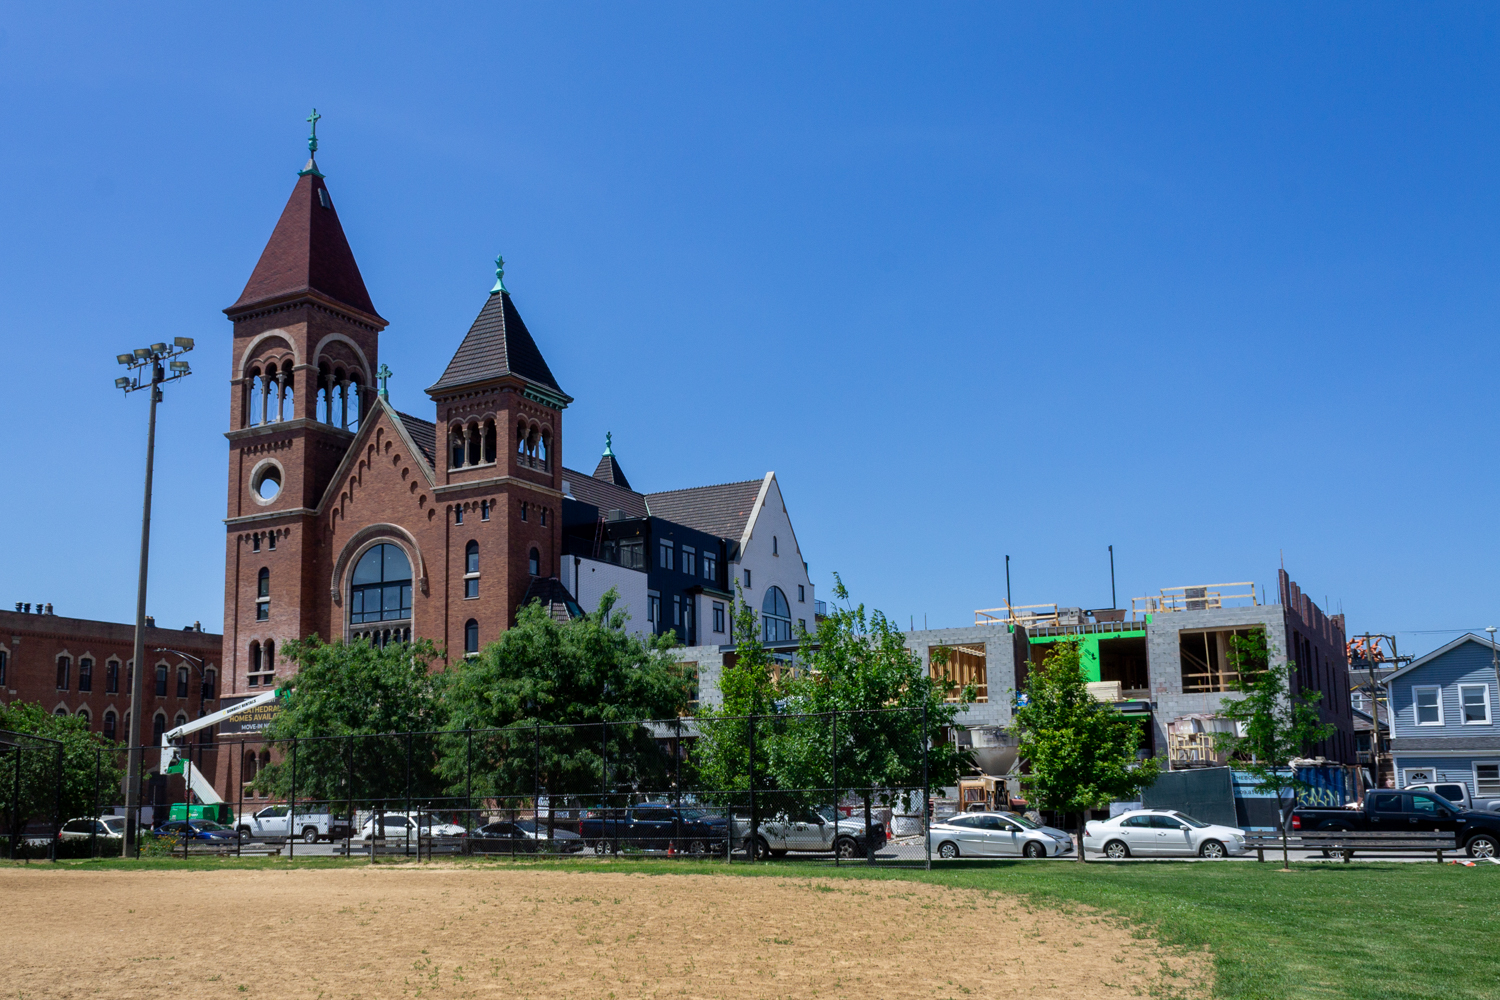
pixel 1213 286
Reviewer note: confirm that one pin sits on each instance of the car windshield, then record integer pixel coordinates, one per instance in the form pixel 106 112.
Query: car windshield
pixel 208 824
pixel 114 825
pixel 1023 821
pixel 1195 824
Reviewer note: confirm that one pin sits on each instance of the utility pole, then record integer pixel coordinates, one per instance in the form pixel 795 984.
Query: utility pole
pixel 138 361
pixel 1112 599
pixel 1494 654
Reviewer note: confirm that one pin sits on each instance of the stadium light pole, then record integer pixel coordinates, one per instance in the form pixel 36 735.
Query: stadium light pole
pixel 146 372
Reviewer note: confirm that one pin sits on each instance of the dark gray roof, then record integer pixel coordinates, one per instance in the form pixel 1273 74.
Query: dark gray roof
pixel 423 434
pixel 498 344
pixel 554 596
pixel 609 470
pixel 721 510
pixel 605 496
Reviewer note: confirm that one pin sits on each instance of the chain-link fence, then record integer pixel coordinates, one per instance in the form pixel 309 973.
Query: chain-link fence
pixel 833 788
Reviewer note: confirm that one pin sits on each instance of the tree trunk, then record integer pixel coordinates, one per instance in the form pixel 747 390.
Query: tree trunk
pixel 1078 841
pixel 1286 862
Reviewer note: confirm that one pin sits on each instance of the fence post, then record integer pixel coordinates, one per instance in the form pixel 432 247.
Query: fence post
pixel 15 809
pixel 407 853
pixel 603 782
pixel 239 800
pixel 752 841
pixel 353 813
pixel 677 790
pixel 187 802
pixel 291 812
pixel 835 745
pixel 94 837
pixel 469 782
pixel 926 793
pixel 56 807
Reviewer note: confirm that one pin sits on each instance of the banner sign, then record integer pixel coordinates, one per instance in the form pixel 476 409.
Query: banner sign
pixel 254 720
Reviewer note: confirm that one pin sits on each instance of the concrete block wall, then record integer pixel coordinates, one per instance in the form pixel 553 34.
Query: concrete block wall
pixel 1000 667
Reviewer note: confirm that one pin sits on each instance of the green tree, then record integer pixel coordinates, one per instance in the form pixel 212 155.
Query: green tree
pixel 91 766
pixel 722 753
pixel 858 668
pixel 1080 753
pixel 1277 727
pixel 369 693
pixel 563 701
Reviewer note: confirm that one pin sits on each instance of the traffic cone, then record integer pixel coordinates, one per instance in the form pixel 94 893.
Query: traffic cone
pixel 671 849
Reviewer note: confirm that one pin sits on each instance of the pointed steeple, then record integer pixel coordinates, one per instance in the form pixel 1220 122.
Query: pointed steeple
pixel 308 254
pixel 499 345
pixel 608 468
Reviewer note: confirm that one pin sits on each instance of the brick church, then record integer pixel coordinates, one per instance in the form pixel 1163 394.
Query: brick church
pixel 348 519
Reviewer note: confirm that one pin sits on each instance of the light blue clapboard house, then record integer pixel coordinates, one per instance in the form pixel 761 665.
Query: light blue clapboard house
pixel 1443 717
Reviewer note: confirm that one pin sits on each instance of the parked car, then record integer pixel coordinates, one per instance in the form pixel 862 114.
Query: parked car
pixel 1389 810
pixel 815 831
pixel 1161 831
pixel 105 827
pixel 654 826
pixel 273 823
pixel 1458 793
pixel 522 836
pixel 993 834
pixel 398 825
pixel 1026 821
pixel 195 829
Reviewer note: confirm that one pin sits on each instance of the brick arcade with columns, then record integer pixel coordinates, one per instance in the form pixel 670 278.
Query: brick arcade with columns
pixel 349 519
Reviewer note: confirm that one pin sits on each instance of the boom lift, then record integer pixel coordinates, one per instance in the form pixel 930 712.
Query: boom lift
pixel 211 806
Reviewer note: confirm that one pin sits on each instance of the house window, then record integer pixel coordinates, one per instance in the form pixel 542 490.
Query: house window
pixel 458 514
pixel 665 555
pixel 747 579
pixel 523 512
pixel 471 636
pixel 801 594
pixel 710 566
pixel 964 666
pixel 689 561
pixel 775 549
pixel 544 517
pixel 4 662
pixel 777 616
pixel 60 711
pixel 109 725
pixel 83 713
pixel 85 674
pixel 718 616
pixel 182 682
pixel 653 609
pixel 158 726
pixel 210 680
pixel 262 596
pixel 271 540
pixel 1473 698
pixel 255 542
pixel 161 681
pixel 111 677
pixel 1486 780
pixel 471 570
pixel 687 620
pixel 64 672
pixel 802 624
pixel 676 609
pixel 534 563
pixel 484 510
pixel 1429 705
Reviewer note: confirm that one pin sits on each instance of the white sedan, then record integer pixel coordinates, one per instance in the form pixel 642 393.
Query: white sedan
pixel 1161 831
pixel 987 834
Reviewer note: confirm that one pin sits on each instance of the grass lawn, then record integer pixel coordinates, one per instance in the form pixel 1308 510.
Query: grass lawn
pixel 1362 930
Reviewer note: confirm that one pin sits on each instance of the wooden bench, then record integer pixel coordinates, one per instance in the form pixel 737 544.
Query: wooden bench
pixel 1343 843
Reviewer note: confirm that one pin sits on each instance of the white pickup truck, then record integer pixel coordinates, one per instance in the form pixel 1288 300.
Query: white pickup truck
pixel 812 831
pixel 271 823
pixel 1458 793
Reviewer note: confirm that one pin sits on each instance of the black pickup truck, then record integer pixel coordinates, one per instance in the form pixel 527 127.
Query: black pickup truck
pixel 1390 811
pixel 654 827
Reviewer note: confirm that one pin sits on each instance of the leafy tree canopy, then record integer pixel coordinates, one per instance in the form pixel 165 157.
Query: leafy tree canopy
pixel 89 762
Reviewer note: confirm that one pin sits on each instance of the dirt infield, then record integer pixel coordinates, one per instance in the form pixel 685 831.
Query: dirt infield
pixel 485 932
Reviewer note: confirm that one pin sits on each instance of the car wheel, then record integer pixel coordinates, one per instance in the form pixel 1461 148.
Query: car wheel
pixel 601 848
pixel 309 835
pixel 761 848
pixel 1116 850
pixel 1483 846
pixel 244 834
pixel 947 849
pixel 846 849
pixel 1211 849
pixel 1033 850
pixel 697 848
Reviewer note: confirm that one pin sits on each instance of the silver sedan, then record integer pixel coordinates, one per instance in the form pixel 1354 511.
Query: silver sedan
pixel 988 834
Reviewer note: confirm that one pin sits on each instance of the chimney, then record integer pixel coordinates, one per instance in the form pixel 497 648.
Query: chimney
pixel 150 622
pixel 49 609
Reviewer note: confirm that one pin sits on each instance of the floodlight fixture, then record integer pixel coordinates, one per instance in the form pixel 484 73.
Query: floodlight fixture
pixel 179 366
pixel 124 359
pixel 186 343
pixel 122 383
pixel 158 348
pixel 142 353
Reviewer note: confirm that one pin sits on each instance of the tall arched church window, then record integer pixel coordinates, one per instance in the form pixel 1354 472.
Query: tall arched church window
pixel 380 588
pixel 158 726
pixel 182 682
pixel 263 595
pixel 64 672
pixel 356 404
pixel 471 636
pixel 252 670
pixel 776 613
pixel 85 674
pixel 111 677
pixel 535 563
pixel 110 721
pixel 471 569
pixel 161 681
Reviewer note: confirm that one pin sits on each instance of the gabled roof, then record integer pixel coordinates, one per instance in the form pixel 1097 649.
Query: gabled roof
pixel 423 435
pixel 609 470
pixel 724 510
pixel 497 345
pixel 1424 660
pixel 307 254
pixel 604 495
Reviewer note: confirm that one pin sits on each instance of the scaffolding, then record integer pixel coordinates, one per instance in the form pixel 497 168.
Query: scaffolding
pixel 1025 615
pixel 1201 597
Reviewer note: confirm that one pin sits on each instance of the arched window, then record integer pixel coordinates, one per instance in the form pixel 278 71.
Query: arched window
pixel 777 615
pixel 489 441
pixel 252 671
pixel 535 563
pixel 158 726
pixel 86 674
pixel 109 725
pixel 248 767
pixel 380 588
pixel 4 662
pixel 356 403
pixel 262 595
pixel 180 721
pixel 161 681
pixel 64 672
pixel 471 636
pixel 60 711
pixel 269 666
pixel 83 713
pixel 471 569
pixel 210 683
pixel 112 677
pixel 182 682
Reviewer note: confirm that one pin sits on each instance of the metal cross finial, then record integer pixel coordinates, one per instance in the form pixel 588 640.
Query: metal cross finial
pixel 312 140
pixel 383 373
pixel 499 276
